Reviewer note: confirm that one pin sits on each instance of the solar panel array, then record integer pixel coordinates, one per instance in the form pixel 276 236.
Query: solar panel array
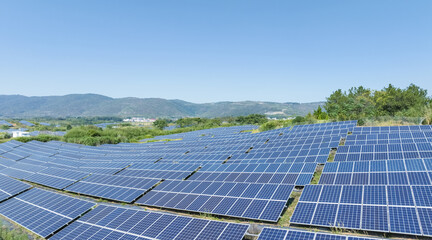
pixel 241 162
pixel 393 172
pixel 291 234
pixel 43 212
pixel 252 201
pixel 10 187
pixel 380 181
pixel 119 188
pixel 384 152
pixel 109 222
pixel 282 173
pixel 391 208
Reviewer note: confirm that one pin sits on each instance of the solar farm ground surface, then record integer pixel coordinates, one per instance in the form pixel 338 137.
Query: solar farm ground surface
pixel 226 184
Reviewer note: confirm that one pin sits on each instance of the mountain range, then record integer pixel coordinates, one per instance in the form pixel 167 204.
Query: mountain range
pixel 86 105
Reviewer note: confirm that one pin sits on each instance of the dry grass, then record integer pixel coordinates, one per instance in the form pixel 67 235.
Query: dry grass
pixel 317 174
pixel 331 156
pixel 284 221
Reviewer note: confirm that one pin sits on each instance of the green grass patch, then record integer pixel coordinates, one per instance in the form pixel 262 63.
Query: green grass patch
pixel 317 174
pixel 331 156
pixel 14 232
pixel 284 221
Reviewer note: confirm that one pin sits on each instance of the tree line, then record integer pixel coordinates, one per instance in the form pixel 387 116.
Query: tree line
pixel 361 103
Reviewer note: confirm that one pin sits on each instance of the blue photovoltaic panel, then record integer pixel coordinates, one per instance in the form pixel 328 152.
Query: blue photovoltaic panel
pixel 373 208
pixel 325 214
pixel 244 200
pixel 108 222
pixel 10 187
pixel 43 212
pixel 349 216
pixel 375 218
pixel 290 234
pixel 120 188
pixel 404 220
pixel 272 234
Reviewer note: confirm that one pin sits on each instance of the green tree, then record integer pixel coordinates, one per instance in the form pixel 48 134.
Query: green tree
pixel 160 124
pixel 319 114
pixel 257 119
pixel 360 102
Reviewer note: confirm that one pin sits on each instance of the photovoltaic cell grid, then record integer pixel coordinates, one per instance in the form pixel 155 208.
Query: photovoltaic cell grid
pixel 316 155
pixel 396 209
pixel 161 171
pixel 283 173
pixel 391 129
pixel 389 138
pixel 10 187
pixel 383 152
pixel 108 222
pixel 43 212
pixel 119 188
pixel 391 172
pixel 252 201
pixel 20 170
pixel 58 178
pixel 290 234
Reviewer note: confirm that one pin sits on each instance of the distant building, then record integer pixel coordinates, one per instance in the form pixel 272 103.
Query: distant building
pixel 139 120
pixel 20 134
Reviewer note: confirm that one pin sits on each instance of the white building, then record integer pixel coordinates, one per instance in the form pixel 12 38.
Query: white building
pixel 20 134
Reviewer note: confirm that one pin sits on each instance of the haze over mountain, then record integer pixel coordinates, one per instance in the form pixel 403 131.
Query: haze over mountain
pixel 84 105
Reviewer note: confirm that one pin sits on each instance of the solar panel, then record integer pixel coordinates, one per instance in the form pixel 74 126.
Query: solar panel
pixel 10 187
pixel 373 208
pixel 291 234
pixel 251 201
pixel 120 188
pixel 109 222
pixel 58 178
pixel 43 212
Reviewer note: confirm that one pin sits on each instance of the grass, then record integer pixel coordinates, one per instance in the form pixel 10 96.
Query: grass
pixel 208 216
pixel 331 156
pixel 284 221
pixel 14 232
pixel 317 175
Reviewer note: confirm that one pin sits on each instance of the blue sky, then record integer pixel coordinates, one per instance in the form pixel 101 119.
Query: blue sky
pixel 207 51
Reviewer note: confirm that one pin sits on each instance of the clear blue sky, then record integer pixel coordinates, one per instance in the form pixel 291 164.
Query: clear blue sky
pixel 207 51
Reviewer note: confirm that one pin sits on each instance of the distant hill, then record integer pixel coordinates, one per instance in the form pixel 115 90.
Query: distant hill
pixel 86 105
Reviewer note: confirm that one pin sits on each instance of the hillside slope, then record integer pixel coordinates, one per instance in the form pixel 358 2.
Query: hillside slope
pixel 18 106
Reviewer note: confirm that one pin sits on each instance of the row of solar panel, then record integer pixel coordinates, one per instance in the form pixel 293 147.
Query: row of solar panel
pixel 119 188
pixel 383 148
pixel 398 209
pixel 390 136
pixel 290 234
pixel 387 142
pixel 420 196
pixel 387 129
pixel 261 168
pixel 10 187
pixel 108 222
pixel 160 174
pixel 409 165
pixel 372 178
pixel 302 159
pixel 252 201
pixel 278 178
pixel 394 219
pixel 287 140
pixel 44 213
